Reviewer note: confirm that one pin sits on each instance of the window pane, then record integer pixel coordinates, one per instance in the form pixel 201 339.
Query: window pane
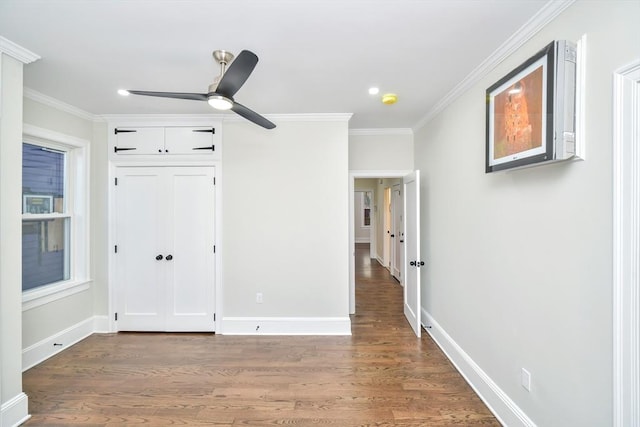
pixel 42 180
pixel 45 252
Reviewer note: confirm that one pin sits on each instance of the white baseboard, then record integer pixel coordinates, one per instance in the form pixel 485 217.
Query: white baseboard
pixel 505 409
pixel 15 411
pixel 49 346
pixel 363 240
pixel 101 324
pixel 286 326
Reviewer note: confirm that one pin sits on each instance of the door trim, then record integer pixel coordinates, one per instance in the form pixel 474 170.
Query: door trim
pixel 111 239
pixel 626 246
pixel 352 177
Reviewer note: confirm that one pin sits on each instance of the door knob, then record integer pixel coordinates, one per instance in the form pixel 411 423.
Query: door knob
pixel 412 263
pixel 169 257
pixel 159 257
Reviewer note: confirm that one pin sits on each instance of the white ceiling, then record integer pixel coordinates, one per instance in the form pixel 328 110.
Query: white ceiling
pixel 315 56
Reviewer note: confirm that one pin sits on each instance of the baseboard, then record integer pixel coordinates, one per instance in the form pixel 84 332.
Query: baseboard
pixel 15 411
pixel 362 240
pixel 54 344
pixel 286 326
pixel 505 409
pixel 101 325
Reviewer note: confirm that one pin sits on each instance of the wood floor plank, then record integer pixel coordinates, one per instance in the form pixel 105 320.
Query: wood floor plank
pixel 382 375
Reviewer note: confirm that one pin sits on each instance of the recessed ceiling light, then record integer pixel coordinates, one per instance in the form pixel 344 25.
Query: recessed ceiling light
pixel 123 92
pixel 373 91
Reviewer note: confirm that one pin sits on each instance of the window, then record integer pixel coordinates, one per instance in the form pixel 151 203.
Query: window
pixel 46 219
pixel 54 215
pixel 365 203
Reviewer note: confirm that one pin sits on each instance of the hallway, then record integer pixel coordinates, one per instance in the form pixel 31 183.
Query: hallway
pixel 382 375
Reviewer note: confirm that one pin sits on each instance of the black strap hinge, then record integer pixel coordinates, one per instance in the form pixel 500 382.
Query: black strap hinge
pixel 116 149
pixel 212 148
pixel 212 130
pixel 117 131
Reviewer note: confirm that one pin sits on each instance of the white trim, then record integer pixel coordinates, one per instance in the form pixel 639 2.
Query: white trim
pixel 301 117
pixel 161 120
pixel 101 324
pixel 59 105
pixel 626 246
pixel 195 119
pixel 581 91
pixel 78 170
pixel 49 135
pixel 45 294
pixel 44 349
pixel 385 131
pixel 545 15
pixel 111 324
pixel 286 326
pixel 15 411
pixel 353 174
pixel 16 51
pixel 498 402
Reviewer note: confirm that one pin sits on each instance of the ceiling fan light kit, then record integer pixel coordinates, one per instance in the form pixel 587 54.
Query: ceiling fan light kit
pixel 219 102
pixel 220 92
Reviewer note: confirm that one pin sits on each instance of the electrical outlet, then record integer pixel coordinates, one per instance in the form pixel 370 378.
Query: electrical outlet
pixel 259 297
pixel 526 379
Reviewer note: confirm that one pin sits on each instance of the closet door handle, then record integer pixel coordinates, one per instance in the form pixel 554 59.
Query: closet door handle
pixel 169 257
pixel 159 257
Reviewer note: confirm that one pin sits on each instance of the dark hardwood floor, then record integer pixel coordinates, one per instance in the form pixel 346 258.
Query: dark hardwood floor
pixel 381 376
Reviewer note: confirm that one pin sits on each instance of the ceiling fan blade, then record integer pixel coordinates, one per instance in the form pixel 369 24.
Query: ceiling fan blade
pixel 177 95
pixel 237 73
pixel 252 116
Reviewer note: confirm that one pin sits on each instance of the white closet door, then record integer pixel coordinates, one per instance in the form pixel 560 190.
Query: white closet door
pixel 190 242
pixel 140 239
pixel 165 264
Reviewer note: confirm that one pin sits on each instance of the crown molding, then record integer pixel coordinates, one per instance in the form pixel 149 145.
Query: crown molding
pixel 16 51
pixel 544 16
pixel 380 131
pixel 59 105
pixel 302 117
pixel 167 119
pixel 224 117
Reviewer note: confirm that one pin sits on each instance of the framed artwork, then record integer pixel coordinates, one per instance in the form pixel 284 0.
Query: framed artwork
pixel 519 118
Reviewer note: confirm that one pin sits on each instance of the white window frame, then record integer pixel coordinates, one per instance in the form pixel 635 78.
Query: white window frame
pixel 77 209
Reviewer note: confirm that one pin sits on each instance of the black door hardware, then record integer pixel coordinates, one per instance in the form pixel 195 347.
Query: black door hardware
pixel 169 257
pixel 212 148
pixel 159 257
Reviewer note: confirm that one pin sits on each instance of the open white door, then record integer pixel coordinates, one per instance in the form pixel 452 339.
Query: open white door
pixel 412 260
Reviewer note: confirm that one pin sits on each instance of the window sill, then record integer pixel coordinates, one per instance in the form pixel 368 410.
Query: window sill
pixel 43 295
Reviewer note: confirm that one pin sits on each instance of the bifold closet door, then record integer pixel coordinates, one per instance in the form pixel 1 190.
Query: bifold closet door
pixel 165 236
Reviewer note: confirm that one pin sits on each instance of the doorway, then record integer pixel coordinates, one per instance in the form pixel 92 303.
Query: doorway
pixel 377 181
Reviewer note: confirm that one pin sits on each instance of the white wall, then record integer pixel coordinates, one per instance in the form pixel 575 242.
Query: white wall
pixel 99 209
pixel 380 149
pixel 285 223
pixel 519 266
pixel 44 321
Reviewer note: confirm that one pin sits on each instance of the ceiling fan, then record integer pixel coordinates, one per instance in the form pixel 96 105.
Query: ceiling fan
pixel 224 86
